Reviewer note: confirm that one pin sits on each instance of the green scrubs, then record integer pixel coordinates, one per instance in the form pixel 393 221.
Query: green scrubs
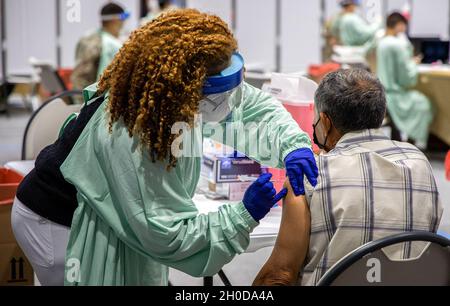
pixel 135 219
pixel 355 31
pixel 110 46
pixel 410 110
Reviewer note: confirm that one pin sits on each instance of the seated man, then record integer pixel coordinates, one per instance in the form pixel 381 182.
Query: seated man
pixel 410 110
pixel 369 187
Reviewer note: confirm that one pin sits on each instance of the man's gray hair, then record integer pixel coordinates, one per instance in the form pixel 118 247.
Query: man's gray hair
pixel 354 99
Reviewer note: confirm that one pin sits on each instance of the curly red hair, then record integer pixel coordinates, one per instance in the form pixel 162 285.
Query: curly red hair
pixel 157 77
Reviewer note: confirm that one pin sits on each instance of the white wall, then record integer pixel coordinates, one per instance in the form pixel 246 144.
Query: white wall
pixel 372 10
pixel 430 18
pixel 34 34
pixel 256 32
pixel 71 31
pixel 395 5
pixel 221 8
pixel 300 34
pixel 30 32
pixel 255 27
pixel 331 8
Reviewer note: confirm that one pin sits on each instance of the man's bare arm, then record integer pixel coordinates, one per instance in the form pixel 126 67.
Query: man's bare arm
pixel 292 244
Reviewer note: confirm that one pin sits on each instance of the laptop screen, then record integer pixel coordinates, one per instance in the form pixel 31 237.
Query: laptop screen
pixel 432 49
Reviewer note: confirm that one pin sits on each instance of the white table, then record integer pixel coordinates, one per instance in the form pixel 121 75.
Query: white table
pixel 423 68
pixel 21 167
pixel 263 236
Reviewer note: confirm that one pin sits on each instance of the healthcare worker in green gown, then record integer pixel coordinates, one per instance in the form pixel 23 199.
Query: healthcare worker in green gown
pixel 410 110
pixel 136 216
pixel 350 28
pixel 96 50
pixel 113 23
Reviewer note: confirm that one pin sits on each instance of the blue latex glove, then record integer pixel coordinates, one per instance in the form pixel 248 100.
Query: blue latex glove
pixel 299 163
pixel 261 196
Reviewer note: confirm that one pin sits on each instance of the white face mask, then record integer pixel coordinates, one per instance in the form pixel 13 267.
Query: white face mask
pixel 219 107
pixel 215 108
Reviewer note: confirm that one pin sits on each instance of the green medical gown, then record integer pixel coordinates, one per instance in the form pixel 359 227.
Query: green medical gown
pixel 135 219
pixel 410 110
pixel 355 31
pixel 110 46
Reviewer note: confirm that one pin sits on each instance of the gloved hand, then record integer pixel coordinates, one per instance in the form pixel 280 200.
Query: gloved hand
pixel 261 196
pixel 298 163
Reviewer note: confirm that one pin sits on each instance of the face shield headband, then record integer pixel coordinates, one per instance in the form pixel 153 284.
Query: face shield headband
pixel 124 16
pixel 219 92
pixel 349 2
pixel 228 79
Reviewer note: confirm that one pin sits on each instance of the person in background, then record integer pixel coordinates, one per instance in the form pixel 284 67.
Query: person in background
pixel 350 29
pixel 95 51
pixel 390 189
pixel 155 8
pixel 409 110
pixel 113 178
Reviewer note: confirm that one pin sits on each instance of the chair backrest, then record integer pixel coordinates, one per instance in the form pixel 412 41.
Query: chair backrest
pixel 370 266
pixel 44 126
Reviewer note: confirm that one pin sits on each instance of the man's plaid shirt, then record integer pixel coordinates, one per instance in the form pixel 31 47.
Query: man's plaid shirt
pixel 369 187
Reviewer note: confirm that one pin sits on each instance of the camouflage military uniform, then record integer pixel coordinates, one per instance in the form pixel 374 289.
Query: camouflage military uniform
pixel 87 55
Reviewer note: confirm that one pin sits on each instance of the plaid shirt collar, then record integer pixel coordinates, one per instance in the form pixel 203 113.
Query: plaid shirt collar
pixel 356 138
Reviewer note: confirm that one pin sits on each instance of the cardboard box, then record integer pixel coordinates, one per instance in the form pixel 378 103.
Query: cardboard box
pixel 6 233
pixel 15 269
pixel 220 170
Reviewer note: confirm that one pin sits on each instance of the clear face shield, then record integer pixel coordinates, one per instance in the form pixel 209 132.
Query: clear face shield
pixel 223 92
pixel 123 34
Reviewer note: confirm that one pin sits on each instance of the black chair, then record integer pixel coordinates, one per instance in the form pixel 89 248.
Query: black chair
pixel 208 280
pixel 369 265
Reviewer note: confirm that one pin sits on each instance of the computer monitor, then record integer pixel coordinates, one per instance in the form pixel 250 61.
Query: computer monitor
pixel 432 49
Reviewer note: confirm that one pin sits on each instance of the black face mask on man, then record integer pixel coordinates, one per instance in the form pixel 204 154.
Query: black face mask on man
pixel 316 140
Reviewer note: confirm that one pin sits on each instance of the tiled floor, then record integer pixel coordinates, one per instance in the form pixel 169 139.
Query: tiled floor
pixel 243 269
